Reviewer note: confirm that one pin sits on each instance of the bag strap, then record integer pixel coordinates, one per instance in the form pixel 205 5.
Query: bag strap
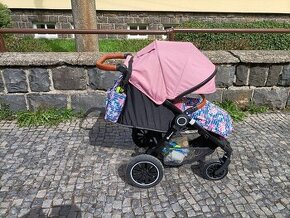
pixel 125 81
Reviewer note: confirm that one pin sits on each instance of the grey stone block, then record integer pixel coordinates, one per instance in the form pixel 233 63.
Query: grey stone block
pixel 269 57
pixel 43 59
pixel 242 75
pixel 223 57
pixel 273 75
pixel 258 76
pixel 241 96
pixel 39 80
pixel 1 83
pixel 288 102
pixel 69 78
pixel 225 75
pixel 15 80
pixel 275 97
pixel 284 79
pixel 99 79
pixel 217 96
pixel 85 101
pixel 46 101
pixel 15 102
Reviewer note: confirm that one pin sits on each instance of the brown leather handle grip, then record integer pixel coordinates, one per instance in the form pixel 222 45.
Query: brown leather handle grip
pixel 109 67
pixel 203 102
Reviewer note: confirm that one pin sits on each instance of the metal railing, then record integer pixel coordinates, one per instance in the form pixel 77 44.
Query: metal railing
pixel 169 32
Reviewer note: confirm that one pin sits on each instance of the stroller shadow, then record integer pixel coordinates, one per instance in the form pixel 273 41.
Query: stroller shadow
pixel 107 134
pixel 195 168
pixel 122 172
pixel 71 211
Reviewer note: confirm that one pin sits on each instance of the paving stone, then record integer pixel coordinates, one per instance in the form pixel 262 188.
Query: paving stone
pixel 40 164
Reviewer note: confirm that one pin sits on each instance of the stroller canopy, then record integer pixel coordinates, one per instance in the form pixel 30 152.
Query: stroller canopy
pixel 164 70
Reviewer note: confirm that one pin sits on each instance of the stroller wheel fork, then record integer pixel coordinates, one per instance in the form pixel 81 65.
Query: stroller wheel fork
pixel 225 162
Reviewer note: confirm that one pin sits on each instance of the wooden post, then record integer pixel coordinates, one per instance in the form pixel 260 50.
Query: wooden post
pixel 171 34
pixel 84 16
pixel 2 44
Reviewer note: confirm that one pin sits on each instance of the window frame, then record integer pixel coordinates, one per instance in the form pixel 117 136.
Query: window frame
pixel 137 36
pixel 44 36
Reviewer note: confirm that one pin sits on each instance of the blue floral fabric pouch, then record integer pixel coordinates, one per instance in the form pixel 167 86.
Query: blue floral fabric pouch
pixel 115 102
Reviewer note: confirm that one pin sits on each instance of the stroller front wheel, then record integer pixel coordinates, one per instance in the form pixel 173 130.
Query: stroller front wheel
pixel 144 171
pixel 208 171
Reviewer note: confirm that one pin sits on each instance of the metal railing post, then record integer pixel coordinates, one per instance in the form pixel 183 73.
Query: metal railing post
pixel 171 34
pixel 2 44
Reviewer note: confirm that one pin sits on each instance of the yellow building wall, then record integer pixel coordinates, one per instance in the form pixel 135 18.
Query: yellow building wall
pixel 238 6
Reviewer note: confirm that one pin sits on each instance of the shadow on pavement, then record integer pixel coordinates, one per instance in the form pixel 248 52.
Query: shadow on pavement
pixel 122 172
pixel 71 211
pixel 107 134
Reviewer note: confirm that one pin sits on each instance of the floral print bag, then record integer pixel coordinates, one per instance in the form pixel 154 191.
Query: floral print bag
pixel 210 117
pixel 115 102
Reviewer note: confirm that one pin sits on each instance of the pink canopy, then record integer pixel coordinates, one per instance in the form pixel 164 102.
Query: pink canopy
pixel 163 70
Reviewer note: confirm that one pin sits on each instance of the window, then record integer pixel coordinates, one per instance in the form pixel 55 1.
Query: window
pixel 137 27
pixel 45 26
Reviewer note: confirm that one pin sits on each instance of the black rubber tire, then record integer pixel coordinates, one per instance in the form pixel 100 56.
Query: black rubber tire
pixel 145 138
pixel 208 169
pixel 144 171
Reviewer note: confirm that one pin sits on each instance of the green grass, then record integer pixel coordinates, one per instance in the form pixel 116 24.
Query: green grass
pixel 128 45
pixel 40 117
pixel 45 117
pixel 29 44
pixel 204 41
pixel 235 112
pixel 48 117
pixel 6 113
pixel 238 113
pixel 254 109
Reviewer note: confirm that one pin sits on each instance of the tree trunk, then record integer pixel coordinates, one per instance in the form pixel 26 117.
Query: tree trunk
pixel 2 44
pixel 84 16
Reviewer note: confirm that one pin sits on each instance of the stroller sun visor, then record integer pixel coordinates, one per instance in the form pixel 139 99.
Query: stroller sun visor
pixel 164 70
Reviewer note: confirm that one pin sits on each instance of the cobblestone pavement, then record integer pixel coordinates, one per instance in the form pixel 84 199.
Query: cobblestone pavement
pixel 66 171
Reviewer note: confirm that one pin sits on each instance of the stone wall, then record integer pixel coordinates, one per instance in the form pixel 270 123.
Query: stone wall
pixel 70 80
pixel 121 20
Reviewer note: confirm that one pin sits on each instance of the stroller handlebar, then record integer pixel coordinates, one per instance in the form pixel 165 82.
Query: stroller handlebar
pixel 203 102
pixel 109 67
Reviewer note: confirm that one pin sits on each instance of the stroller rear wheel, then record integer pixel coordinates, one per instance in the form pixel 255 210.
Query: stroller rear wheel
pixel 145 138
pixel 144 171
pixel 208 171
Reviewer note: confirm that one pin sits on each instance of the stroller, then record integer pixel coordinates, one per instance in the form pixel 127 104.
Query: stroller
pixel 151 99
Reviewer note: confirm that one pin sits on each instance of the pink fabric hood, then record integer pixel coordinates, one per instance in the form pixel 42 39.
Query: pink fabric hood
pixel 163 70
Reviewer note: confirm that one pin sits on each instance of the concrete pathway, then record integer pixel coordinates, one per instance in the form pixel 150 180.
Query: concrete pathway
pixel 66 171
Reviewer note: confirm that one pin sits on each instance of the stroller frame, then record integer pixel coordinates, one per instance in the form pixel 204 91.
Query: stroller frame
pixel 146 168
